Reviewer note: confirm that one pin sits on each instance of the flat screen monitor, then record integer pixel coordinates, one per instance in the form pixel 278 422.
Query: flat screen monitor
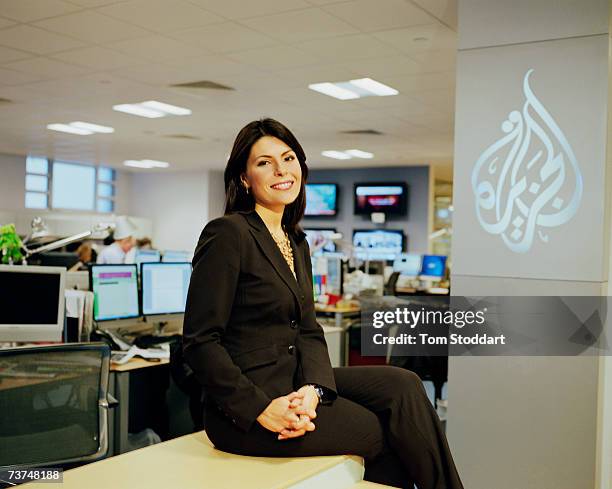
pixel 147 256
pixel 434 267
pixel 164 287
pixel 320 239
pixel 115 289
pixel 173 256
pixel 390 198
pixel 408 264
pixel 321 199
pixel 378 244
pixel 31 303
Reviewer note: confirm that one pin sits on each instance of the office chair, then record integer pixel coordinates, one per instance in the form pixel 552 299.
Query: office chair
pixel 54 404
pixel 390 287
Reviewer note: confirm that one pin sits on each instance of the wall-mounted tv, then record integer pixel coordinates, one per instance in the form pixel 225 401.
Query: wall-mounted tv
pixel 378 244
pixel 321 199
pixel 320 239
pixel 387 197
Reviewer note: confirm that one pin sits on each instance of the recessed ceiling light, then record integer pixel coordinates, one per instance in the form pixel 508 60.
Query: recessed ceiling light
pixel 361 87
pixel 165 108
pixel 136 109
pixel 151 109
pixel 338 155
pixel 92 127
pixel 69 129
pixel 376 88
pixel 333 90
pixel 357 153
pixel 146 164
pixel 157 164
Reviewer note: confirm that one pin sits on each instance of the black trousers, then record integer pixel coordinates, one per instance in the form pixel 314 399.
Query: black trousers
pixel 382 414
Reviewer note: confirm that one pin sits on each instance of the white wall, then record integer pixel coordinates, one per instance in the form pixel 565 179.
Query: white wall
pixel 176 203
pixel 12 203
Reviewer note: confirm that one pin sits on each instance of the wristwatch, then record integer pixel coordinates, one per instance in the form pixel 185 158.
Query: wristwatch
pixel 319 391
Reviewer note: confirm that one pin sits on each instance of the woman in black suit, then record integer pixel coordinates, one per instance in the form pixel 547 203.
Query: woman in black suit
pixel 251 337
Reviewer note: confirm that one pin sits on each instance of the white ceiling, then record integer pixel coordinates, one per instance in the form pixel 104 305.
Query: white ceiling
pixel 69 60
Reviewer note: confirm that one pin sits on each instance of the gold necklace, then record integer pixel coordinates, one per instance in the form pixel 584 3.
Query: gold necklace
pixel 284 245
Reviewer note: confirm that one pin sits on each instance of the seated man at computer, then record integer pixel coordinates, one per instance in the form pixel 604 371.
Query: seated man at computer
pixel 118 252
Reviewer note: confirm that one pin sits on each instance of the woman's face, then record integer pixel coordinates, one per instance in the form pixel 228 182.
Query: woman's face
pixel 273 173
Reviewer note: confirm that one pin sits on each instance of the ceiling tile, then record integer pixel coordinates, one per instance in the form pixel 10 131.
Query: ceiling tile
pixel 422 82
pixel 355 46
pixel 93 3
pixel 443 10
pixel 92 27
pixel 419 38
pixel 239 9
pixel 300 25
pixel 386 14
pixel 35 40
pixel 31 10
pixel 210 66
pixel 8 54
pixel 97 58
pixel 5 23
pixel 161 15
pixel 11 77
pixel 274 58
pixel 432 61
pixel 377 67
pixel 225 38
pixel 157 48
pixel 46 68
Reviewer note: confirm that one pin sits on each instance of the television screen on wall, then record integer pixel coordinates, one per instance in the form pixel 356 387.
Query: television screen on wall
pixel 321 199
pixel 390 198
pixel 378 244
pixel 320 239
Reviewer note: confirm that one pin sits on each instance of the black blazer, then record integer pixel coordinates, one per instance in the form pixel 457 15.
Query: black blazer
pixel 250 332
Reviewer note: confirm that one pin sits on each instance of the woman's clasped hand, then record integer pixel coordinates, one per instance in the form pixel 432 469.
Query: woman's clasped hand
pixel 291 416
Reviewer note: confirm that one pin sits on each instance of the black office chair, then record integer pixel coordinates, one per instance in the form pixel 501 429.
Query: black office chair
pixel 54 403
pixel 390 287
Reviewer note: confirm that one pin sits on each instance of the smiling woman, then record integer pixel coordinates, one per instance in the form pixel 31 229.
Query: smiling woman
pixel 253 342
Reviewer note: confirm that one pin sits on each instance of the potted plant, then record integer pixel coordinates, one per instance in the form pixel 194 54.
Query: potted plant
pixel 10 245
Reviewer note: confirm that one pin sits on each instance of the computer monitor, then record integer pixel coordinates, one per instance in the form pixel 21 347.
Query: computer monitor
pixel 164 287
pixel 115 289
pixel 173 256
pixel 31 303
pixel 378 244
pixel 147 256
pixel 408 264
pixel 434 267
pixel 334 274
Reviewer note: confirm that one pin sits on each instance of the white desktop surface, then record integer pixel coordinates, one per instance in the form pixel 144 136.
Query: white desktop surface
pixel 191 462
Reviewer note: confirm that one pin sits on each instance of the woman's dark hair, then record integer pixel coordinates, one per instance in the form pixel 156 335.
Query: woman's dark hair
pixel 236 197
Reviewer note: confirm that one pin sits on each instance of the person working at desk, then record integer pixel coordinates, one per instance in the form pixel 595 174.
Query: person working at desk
pixel 118 252
pixel 252 340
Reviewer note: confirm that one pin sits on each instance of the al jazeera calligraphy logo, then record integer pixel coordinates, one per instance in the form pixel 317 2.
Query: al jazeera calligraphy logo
pixel 528 180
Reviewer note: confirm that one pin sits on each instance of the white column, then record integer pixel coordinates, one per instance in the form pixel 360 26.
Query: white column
pixel 530 188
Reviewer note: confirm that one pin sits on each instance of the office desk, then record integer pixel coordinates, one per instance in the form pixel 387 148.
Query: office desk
pixel 339 314
pixel 191 462
pixel 119 386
